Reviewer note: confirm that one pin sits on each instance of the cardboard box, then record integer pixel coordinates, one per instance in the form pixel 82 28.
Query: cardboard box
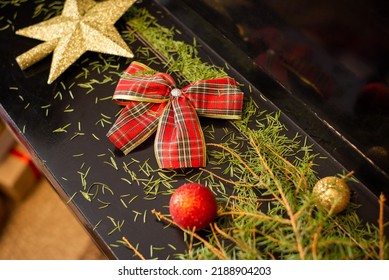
pixel 18 174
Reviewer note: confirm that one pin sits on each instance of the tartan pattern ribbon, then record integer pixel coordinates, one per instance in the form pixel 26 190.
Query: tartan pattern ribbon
pixel 154 104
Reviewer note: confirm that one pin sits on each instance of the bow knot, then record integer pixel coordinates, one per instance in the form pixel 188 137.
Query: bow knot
pixel 154 103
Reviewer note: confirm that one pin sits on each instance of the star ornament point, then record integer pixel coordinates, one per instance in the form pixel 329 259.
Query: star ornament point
pixel 84 25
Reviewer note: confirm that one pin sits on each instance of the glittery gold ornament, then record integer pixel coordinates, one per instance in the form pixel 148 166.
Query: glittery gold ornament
pixel 84 25
pixel 332 194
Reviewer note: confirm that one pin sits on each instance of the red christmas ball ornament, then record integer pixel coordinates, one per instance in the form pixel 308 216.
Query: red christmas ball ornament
pixel 193 206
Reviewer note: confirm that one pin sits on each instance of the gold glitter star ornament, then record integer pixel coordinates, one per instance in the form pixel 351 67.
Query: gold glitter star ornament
pixel 84 25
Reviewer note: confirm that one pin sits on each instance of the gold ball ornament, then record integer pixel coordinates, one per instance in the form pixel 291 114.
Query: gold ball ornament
pixel 332 194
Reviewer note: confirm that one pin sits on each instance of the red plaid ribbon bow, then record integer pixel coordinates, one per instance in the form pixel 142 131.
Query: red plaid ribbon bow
pixel 153 103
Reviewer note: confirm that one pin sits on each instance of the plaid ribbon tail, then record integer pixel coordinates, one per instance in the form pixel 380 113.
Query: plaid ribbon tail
pixel 179 142
pixel 134 125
